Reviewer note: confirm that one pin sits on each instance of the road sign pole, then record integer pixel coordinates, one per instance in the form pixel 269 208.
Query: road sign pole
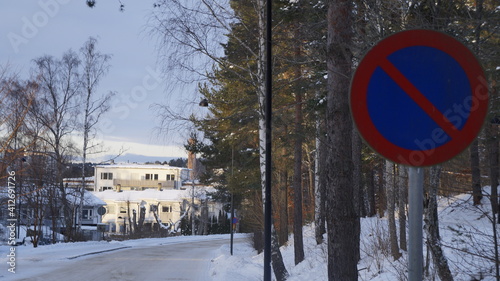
pixel 416 209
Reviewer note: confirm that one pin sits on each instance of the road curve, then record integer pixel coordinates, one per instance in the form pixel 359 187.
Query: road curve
pixel 183 261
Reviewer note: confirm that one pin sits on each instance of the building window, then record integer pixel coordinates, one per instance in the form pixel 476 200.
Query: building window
pixel 107 188
pixel 152 177
pixel 106 176
pixel 87 214
pixel 171 177
pixel 166 209
pixel 123 210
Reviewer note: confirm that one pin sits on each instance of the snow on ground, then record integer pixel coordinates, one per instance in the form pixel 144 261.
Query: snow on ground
pixel 465 229
pixel 35 261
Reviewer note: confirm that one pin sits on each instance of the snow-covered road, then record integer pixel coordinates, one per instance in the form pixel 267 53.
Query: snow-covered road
pixel 181 260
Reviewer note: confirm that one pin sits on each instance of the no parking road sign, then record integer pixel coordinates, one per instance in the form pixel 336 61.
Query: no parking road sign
pixel 419 97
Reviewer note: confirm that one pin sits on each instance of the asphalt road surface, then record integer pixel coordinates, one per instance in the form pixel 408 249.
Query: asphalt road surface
pixel 184 261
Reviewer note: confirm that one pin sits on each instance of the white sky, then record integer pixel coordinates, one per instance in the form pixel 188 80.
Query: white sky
pixel 31 29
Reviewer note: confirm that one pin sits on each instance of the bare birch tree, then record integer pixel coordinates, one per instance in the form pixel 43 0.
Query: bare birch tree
pixel 432 226
pixel 57 110
pixel 320 183
pixel 95 66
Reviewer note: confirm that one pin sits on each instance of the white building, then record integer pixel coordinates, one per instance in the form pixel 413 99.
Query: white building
pixel 166 194
pixel 165 207
pixel 121 177
pixel 91 205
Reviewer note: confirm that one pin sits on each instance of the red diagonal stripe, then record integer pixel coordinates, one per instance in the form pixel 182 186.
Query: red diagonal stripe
pixel 418 98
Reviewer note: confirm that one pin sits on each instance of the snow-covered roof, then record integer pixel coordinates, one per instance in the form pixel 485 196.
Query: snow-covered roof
pixel 139 166
pixel 136 195
pixel 72 195
pixel 72 182
pixel 152 194
pixel 87 179
pixel 89 198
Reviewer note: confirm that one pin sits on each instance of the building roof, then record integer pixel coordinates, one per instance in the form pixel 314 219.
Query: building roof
pixel 72 182
pixel 140 166
pixel 89 198
pixel 72 195
pixel 154 194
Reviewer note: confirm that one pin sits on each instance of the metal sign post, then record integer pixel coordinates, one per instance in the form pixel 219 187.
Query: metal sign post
pixel 416 210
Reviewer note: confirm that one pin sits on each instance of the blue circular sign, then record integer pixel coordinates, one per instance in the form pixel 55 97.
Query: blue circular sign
pixel 419 97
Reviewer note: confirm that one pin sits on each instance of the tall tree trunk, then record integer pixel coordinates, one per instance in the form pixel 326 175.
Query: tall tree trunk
pixel 432 226
pixel 474 148
pixel 391 204
pixel 308 200
pixel 403 198
pixel 358 194
pixel 370 194
pixel 492 148
pixel 476 173
pixel 55 211
pixel 319 183
pixel 381 198
pixel 342 220
pixel 298 243
pixel 283 207
pixel 357 174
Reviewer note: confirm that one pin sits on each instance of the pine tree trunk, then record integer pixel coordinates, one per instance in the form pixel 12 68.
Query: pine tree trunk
pixel 381 196
pixel 492 155
pixel 357 174
pixel 476 173
pixel 391 198
pixel 283 208
pixel 358 194
pixel 342 220
pixel 298 243
pixel 432 226
pixel 370 194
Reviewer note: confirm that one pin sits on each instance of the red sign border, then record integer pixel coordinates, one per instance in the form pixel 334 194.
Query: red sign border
pixel 404 39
